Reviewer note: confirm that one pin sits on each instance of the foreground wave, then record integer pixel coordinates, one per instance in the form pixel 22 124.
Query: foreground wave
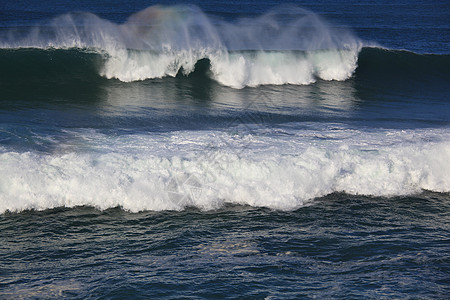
pixel 209 169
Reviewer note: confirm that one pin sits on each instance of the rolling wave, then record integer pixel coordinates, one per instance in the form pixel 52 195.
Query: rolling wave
pixel 237 69
pixel 285 46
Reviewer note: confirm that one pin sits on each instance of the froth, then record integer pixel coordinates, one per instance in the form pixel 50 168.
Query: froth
pixel 269 172
pixel 239 70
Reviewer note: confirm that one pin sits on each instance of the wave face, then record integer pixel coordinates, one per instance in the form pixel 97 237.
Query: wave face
pixel 78 66
pixel 288 45
pixel 378 65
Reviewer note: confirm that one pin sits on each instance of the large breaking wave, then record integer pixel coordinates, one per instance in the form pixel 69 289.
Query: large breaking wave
pixel 288 45
pixel 74 66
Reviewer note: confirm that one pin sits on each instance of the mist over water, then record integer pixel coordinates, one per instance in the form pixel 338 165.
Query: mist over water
pixel 165 28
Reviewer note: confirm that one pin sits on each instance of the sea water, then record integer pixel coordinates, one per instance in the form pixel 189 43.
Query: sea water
pixel 228 149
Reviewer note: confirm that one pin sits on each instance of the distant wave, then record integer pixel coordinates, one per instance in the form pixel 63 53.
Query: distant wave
pixel 31 66
pixel 236 69
pixel 288 45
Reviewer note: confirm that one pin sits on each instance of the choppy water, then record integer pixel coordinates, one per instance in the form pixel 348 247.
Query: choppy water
pixel 221 151
pixel 339 247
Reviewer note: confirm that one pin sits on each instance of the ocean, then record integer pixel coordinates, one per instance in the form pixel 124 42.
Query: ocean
pixel 225 149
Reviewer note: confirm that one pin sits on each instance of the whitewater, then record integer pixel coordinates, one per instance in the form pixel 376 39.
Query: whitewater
pixel 281 170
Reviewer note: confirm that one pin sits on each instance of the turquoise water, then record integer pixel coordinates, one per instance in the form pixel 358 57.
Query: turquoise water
pixel 224 150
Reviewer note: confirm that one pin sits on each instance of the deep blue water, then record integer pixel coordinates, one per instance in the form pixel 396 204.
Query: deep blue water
pixel 224 150
pixel 340 247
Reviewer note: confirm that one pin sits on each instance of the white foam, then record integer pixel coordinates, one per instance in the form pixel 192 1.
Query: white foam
pixel 237 69
pixel 252 69
pixel 210 168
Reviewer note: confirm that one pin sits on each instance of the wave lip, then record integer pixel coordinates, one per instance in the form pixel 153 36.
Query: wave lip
pixel 162 40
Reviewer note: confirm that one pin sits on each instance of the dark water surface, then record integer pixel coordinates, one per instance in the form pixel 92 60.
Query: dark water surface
pixel 342 246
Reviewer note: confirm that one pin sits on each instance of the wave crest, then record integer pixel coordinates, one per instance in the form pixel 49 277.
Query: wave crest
pixel 171 173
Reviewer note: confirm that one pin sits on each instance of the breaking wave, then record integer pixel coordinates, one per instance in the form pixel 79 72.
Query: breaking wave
pixel 31 66
pixel 209 169
pixel 288 45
